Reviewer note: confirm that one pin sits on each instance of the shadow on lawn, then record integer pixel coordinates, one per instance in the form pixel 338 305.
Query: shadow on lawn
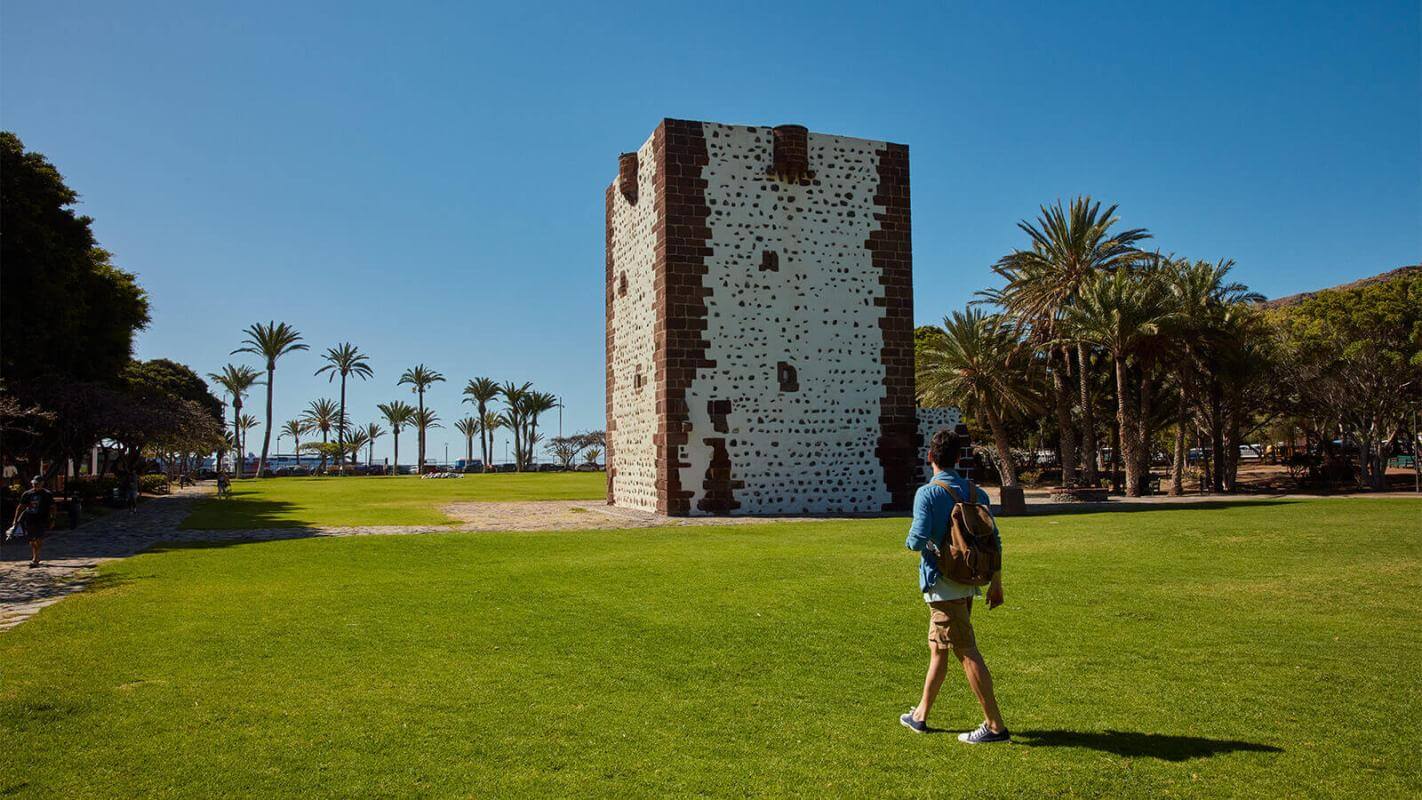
pixel 1134 506
pixel 1133 744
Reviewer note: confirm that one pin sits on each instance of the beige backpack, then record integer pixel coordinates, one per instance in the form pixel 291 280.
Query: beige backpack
pixel 969 553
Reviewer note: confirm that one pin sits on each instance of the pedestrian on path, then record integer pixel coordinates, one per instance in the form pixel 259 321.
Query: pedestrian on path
pixel 34 516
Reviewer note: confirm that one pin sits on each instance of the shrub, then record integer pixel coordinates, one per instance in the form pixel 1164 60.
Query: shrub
pixel 153 484
pixel 90 488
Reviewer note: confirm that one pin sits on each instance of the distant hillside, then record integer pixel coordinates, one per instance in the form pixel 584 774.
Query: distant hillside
pixel 1295 299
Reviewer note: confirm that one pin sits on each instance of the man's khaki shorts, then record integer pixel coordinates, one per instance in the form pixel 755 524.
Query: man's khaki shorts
pixel 950 626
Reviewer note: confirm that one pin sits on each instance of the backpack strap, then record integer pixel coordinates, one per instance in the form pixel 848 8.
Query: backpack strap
pixel 953 493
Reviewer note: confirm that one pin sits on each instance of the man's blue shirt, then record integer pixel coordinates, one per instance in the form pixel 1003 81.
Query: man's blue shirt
pixel 932 506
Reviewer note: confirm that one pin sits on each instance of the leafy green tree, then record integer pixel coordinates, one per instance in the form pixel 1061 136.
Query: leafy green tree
pixel 346 361
pixel 1356 356
pixel 171 379
pixel 271 341
pixel 481 392
pixel 399 415
pixel 324 415
pixel 236 381
pixel 978 364
pixel 1068 247
pixel 66 313
pixel 419 378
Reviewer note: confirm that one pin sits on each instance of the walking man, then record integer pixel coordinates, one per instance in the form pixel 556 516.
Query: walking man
pixel 950 627
pixel 34 516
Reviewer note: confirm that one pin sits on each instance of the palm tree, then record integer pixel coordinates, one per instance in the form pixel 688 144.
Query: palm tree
pixel 357 439
pixel 344 360
pixel 978 364
pixel 1201 295
pixel 469 427
pixel 1120 311
pixel 399 414
pixel 236 381
pixel 537 403
pixel 296 428
pixel 323 415
pixel 270 341
pixel 481 392
pixel 373 431
pixel 491 422
pixel 1069 246
pixel 419 378
pixel 424 419
pixel 245 423
pixel 515 402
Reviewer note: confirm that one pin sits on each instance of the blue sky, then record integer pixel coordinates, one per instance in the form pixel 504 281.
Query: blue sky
pixel 426 179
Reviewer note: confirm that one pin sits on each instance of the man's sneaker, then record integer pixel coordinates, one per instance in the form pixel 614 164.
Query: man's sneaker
pixel 984 735
pixel 912 724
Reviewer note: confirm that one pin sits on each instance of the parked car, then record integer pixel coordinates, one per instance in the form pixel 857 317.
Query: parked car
pixel 589 468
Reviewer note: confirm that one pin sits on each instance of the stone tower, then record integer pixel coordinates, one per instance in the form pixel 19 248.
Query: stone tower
pixel 760 323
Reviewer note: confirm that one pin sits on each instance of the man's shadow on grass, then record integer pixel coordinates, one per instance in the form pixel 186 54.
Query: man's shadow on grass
pixel 1133 744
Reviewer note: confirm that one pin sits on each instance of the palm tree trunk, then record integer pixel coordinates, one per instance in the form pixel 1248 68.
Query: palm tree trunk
pixel 237 437
pixel 1115 463
pixel 1177 463
pixel 486 438
pixel 297 439
pixel 1088 419
pixel 396 432
pixel 518 445
pixel 324 440
pixel 1217 448
pixel 341 428
pixel 420 460
pixel 999 442
pixel 267 434
pixel 1143 430
pixel 1128 431
pixel 1066 433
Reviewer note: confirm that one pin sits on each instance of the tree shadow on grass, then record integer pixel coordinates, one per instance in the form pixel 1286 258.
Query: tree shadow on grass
pixel 1134 744
pixel 1135 506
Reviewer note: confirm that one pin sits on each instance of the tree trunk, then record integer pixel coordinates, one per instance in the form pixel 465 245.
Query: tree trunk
pixel 267 434
pixel 485 439
pixel 1177 463
pixel 324 440
pixel 1217 448
pixel 1128 432
pixel 341 428
pixel 396 432
pixel 999 441
pixel 420 443
pixel 1116 487
pixel 1143 430
pixel 1066 443
pixel 237 437
pixel 1088 419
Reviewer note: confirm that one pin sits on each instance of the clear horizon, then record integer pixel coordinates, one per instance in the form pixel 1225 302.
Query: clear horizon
pixel 428 184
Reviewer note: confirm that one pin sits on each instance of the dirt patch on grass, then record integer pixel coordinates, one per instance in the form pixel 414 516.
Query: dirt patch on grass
pixel 568 515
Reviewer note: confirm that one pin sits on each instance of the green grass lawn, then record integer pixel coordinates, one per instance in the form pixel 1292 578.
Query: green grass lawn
pixel 1261 650
pixel 398 500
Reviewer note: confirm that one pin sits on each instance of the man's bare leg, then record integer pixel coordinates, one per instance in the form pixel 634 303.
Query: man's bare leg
pixel 937 670
pixel 981 680
pixel 35 550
